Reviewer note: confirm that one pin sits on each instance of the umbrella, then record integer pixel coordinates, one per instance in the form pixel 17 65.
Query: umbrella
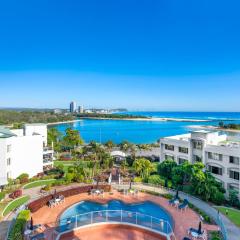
pixel 177 194
pixel 200 228
pixel 31 224
pixel 130 187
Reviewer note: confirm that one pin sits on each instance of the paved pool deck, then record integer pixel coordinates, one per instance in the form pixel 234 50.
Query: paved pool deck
pixel 183 220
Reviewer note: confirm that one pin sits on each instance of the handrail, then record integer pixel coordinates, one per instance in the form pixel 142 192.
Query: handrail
pixel 216 216
pixel 149 222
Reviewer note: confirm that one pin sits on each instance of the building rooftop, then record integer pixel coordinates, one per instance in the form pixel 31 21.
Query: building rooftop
pixel 203 131
pixel 35 124
pixel 183 137
pixel 231 144
pixel 6 133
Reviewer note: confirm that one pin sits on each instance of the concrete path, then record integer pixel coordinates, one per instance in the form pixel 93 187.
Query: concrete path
pixel 232 231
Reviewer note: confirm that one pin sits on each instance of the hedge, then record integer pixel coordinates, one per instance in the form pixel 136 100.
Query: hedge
pixel 16 232
pixel 37 204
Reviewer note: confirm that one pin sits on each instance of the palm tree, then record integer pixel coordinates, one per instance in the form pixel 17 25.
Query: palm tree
pixel 109 145
pixel 53 136
pixel 143 167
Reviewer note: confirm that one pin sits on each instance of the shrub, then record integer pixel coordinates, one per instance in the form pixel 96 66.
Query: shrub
pixel 156 180
pixel 138 180
pixel 17 230
pixel 215 236
pixel 78 178
pixel 16 194
pixel 59 182
pixel 233 198
pixel 24 177
pixel 71 169
pixel 218 198
pixel 203 214
pixel 69 177
pixel 167 195
pixel 47 187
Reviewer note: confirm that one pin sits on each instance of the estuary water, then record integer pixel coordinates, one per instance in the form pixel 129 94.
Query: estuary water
pixel 146 131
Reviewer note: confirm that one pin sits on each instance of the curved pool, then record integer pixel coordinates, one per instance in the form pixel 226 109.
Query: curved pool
pixel 145 213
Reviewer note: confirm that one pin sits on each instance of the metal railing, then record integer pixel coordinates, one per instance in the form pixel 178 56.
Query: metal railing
pixel 148 222
pixel 209 210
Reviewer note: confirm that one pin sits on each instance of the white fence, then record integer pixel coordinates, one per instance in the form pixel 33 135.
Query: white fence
pixel 148 222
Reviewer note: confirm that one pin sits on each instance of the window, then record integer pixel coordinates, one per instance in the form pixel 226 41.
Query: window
pixel 234 160
pixel 169 157
pixel 233 187
pixel 196 158
pixel 8 148
pixel 182 160
pixel 234 175
pixel 197 144
pixel 215 170
pixel 9 161
pixel 183 150
pixel 169 147
pixel 215 156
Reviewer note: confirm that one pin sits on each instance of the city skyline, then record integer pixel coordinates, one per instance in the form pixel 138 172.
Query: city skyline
pixel 159 56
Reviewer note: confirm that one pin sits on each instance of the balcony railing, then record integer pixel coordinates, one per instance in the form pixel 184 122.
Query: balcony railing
pixel 148 222
pixel 48 160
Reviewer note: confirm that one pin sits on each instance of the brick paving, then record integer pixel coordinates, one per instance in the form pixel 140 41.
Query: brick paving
pixel 182 220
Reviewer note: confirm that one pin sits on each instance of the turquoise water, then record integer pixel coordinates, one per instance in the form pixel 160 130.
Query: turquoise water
pixel 143 208
pixel 145 131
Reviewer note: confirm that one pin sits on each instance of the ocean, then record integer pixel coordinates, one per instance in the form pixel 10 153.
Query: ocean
pixel 146 131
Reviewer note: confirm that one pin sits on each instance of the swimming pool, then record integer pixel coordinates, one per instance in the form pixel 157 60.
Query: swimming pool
pixel 147 214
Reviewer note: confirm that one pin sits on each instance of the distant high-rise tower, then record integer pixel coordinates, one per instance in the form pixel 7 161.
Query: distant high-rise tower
pixel 80 109
pixel 73 107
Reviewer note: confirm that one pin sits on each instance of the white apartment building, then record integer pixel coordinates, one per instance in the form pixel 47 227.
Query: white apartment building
pixel 24 151
pixel 219 153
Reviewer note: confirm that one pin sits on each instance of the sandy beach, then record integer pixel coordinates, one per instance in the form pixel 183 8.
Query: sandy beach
pixel 214 128
pixel 71 121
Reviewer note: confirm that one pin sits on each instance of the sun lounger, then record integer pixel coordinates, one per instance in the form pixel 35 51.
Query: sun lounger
pixel 40 236
pixel 171 202
pixel 184 205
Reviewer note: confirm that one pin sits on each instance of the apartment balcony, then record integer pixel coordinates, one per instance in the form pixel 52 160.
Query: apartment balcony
pixel 48 150
pixel 47 161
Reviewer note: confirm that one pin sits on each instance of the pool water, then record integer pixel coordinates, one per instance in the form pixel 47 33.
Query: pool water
pixel 144 210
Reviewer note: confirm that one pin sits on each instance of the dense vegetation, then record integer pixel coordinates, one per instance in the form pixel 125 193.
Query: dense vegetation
pixel 16 232
pixel 113 116
pixel 192 179
pixel 17 118
pixel 233 126
pixel 94 160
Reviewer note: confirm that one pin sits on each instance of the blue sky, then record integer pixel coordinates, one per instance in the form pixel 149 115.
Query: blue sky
pixel 152 54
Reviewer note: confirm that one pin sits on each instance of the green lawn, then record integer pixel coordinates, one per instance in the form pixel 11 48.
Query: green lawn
pixel 233 214
pixel 39 183
pixel 66 164
pixel 15 204
pixel 56 163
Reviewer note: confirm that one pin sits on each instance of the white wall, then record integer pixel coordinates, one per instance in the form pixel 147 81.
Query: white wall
pixel 31 129
pixel 26 155
pixel 3 163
